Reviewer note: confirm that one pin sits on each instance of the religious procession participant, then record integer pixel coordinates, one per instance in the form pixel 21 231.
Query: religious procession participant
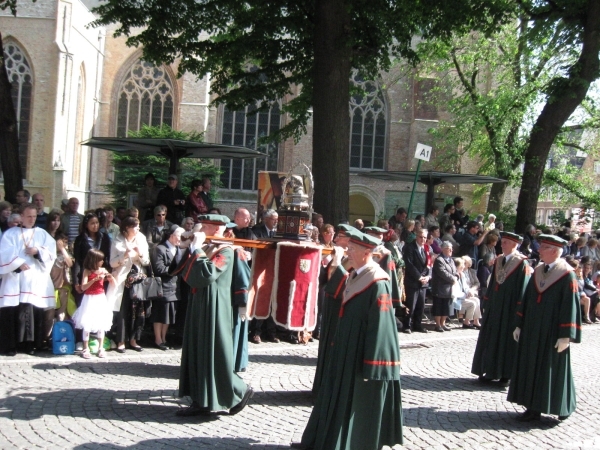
pixel 383 256
pixel 548 320
pixel 496 348
pixel 332 300
pixel 26 291
pixel 359 402
pixel 207 363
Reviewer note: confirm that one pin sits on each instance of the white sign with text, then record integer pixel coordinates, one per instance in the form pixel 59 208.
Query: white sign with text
pixel 423 152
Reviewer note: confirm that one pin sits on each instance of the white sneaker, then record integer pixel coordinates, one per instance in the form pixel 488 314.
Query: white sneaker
pixel 79 346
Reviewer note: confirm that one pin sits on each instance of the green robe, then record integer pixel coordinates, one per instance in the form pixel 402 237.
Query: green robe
pixel 351 413
pixel 329 320
pixel 206 373
pixel 542 379
pixel 239 299
pixel 496 348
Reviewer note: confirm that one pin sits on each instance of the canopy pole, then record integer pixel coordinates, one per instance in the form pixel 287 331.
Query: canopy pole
pixel 412 194
pixel 173 160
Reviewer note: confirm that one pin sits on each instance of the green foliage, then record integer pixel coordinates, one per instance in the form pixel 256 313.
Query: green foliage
pixel 558 218
pixel 130 170
pixel 261 50
pixel 494 85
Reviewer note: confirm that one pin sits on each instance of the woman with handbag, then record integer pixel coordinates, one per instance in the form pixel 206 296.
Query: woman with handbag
pixel 165 258
pixel 128 255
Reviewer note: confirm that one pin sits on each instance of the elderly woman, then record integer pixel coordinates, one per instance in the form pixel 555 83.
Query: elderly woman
pixel 164 260
pixel 469 300
pixel 408 232
pixel 443 278
pixel 484 271
pixel 129 251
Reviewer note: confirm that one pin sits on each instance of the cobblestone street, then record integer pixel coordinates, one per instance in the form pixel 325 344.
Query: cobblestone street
pixel 129 401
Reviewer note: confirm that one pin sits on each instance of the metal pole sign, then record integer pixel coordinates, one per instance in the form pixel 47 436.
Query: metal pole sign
pixel 423 153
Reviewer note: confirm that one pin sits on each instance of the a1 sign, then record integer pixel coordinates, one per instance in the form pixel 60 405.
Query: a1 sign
pixel 423 152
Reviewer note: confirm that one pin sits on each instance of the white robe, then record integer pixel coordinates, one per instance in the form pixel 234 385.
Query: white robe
pixel 29 286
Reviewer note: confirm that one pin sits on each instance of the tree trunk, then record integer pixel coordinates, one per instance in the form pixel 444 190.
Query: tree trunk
pixel 9 136
pixel 496 197
pixel 557 110
pixel 331 123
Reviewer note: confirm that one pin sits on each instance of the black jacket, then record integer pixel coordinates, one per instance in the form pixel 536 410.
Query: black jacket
pixel 260 231
pixel 167 197
pixel 163 265
pixel 415 266
pixel 81 247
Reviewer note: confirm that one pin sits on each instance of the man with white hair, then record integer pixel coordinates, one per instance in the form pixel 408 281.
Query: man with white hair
pixel 547 321
pixel 495 352
pixel 207 358
pixel 359 401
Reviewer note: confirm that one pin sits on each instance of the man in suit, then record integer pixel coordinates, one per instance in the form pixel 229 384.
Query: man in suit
pixel 268 226
pixel 242 219
pixel 416 281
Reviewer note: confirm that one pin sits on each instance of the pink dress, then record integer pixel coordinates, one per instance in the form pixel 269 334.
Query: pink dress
pixel 95 312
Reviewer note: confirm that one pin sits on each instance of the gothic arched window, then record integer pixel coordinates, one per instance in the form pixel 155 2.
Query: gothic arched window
pixel 368 113
pixel 245 129
pixel 145 97
pixel 21 80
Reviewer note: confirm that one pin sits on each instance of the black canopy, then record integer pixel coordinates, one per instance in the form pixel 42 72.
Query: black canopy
pixel 172 149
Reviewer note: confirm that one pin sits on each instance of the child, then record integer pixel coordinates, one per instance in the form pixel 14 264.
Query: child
pixel 60 275
pixel 95 313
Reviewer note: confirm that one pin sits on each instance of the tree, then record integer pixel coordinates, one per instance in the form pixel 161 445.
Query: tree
pixel 130 169
pixel 9 135
pixel 490 85
pixel 579 22
pixel 260 50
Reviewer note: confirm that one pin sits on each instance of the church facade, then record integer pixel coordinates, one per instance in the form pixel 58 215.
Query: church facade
pixel 72 82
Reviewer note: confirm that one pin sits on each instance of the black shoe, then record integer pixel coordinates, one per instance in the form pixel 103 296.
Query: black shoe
pixel 408 331
pixel 438 329
pixel 241 405
pixel 137 348
pixel 161 346
pixel 121 350
pixel 192 411
pixel 504 382
pixel 274 339
pixel 11 353
pixel 561 418
pixel 529 416
pixel 421 330
pixel 468 326
pixel 483 379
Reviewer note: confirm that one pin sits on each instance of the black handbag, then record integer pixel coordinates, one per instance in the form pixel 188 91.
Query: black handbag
pixel 147 288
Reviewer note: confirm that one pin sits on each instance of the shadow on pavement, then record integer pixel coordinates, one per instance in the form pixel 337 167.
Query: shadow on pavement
pixel 295 360
pixel 450 384
pixel 122 368
pixel 198 442
pixel 463 421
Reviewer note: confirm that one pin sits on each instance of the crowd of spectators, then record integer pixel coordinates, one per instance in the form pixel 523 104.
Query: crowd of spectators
pixel 445 258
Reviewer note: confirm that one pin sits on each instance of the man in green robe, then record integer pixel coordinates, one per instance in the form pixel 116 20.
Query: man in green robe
pixel 332 302
pixel 496 348
pixel 207 362
pixel 548 320
pixel 359 404
pixel 239 299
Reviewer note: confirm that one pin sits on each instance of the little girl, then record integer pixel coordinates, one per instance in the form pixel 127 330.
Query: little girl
pixel 95 313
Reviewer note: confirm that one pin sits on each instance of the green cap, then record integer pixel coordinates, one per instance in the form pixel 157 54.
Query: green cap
pixel 552 240
pixel 343 229
pixel 511 236
pixel 376 230
pixel 214 219
pixel 360 238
